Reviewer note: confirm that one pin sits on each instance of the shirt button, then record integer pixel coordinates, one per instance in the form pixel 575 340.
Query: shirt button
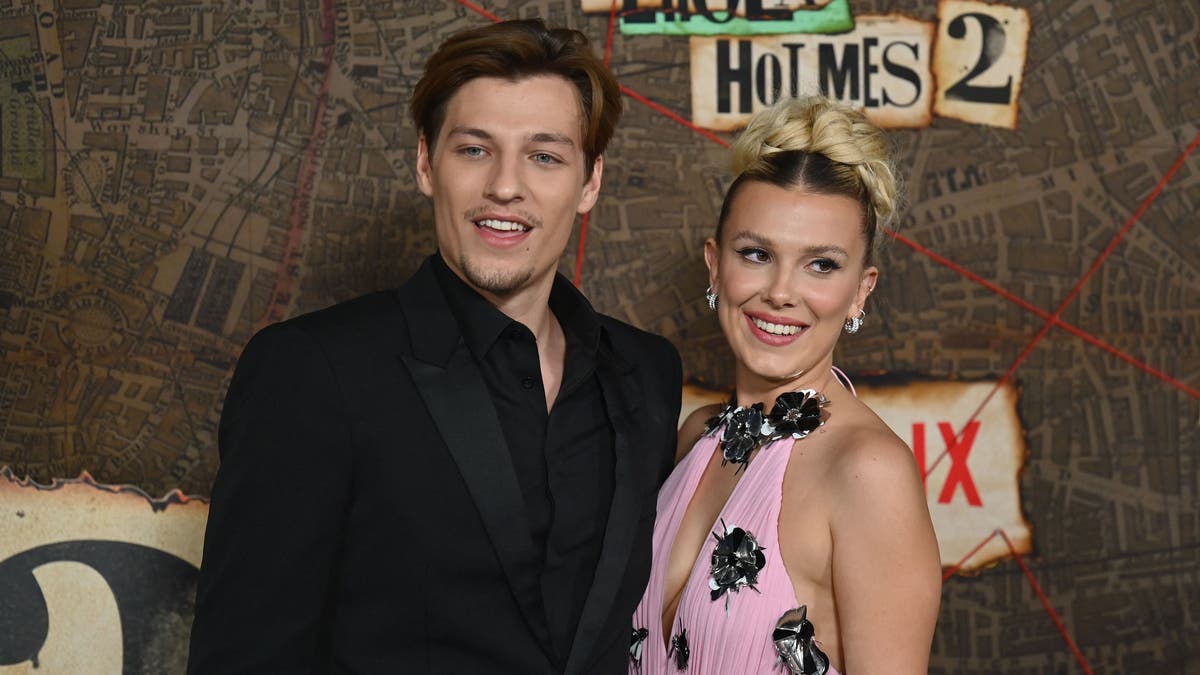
pixel 527 383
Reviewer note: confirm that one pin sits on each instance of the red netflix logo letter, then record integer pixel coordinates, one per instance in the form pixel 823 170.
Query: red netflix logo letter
pixel 959 450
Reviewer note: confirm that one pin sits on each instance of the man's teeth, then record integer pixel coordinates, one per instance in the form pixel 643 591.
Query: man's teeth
pixel 775 328
pixel 502 225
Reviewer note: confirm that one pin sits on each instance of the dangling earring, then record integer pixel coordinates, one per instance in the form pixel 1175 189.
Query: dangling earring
pixel 853 324
pixel 711 297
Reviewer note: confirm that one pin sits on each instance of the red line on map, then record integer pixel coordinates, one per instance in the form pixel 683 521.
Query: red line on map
pixel 674 117
pixel 1037 589
pixel 1112 245
pixel 958 565
pixel 288 271
pixel 583 225
pixel 1077 332
pixel 612 28
pixel 583 228
pixel 479 10
pixel 1054 318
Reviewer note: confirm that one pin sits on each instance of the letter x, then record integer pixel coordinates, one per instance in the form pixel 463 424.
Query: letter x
pixel 959 473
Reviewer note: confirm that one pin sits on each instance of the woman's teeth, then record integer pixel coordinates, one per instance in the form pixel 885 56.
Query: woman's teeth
pixel 775 328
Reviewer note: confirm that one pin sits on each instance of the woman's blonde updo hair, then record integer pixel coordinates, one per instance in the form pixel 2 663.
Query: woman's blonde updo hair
pixel 824 147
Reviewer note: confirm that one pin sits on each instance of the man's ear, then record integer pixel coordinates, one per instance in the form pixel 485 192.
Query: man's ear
pixel 424 168
pixel 591 187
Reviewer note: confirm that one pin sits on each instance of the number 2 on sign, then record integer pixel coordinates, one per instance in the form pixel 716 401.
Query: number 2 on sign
pixel 978 61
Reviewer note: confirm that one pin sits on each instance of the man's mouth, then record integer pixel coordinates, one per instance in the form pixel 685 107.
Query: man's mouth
pixel 502 225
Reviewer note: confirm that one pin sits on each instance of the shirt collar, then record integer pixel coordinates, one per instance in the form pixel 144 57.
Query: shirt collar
pixel 482 323
pixel 575 314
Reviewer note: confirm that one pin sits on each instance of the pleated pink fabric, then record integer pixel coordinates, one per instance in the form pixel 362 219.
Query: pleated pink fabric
pixel 721 642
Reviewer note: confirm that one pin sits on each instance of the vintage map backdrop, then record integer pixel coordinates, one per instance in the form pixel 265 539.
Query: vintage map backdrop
pixel 177 173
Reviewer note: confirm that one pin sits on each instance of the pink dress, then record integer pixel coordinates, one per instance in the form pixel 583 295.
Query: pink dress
pixel 720 641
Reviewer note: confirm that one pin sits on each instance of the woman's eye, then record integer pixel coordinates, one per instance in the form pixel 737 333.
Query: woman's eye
pixel 825 265
pixel 755 255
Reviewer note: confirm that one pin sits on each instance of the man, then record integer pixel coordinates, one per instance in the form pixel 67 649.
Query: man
pixel 458 476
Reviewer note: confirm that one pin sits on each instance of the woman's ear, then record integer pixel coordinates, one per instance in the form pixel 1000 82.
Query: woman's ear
pixel 712 258
pixel 865 286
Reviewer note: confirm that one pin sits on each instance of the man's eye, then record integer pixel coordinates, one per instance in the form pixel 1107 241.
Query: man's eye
pixel 544 158
pixel 473 151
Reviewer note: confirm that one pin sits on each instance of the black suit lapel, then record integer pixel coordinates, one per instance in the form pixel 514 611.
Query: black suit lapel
pixel 458 400
pixel 623 400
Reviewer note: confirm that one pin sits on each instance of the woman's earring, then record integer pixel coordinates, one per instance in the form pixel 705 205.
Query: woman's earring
pixel 852 325
pixel 711 296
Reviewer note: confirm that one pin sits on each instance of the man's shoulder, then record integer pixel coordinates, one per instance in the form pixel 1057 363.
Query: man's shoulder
pixel 372 312
pixel 628 333
pixel 348 326
pixel 637 345
pixel 348 315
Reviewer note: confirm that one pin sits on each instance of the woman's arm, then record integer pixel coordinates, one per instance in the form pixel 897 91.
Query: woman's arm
pixel 886 565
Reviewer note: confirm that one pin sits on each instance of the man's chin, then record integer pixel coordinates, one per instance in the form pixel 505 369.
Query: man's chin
pixel 499 282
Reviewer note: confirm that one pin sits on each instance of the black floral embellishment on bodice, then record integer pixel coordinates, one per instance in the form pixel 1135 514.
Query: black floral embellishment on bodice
pixel 742 435
pixel 679 648
pixel 795 414
pixel 796 645
pixel 736 561
pixel 637 644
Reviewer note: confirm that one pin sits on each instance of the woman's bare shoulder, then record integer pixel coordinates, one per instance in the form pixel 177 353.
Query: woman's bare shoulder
pixel 874 471
pixel 870 451
pixel 693 427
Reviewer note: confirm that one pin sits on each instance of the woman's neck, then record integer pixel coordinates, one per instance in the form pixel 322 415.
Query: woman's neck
pixel 751 389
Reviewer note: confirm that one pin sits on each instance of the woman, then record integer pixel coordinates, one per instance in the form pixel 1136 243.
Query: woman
pixel 794 528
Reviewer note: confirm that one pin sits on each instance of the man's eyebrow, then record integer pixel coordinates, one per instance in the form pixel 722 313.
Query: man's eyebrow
pixel 539 137
pixel 470 131
pixel 549 137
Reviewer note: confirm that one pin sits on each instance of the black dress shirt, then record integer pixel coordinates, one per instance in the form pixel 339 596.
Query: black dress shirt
pixel 563 458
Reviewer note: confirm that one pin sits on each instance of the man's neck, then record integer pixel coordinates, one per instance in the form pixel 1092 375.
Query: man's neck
pixel 530 306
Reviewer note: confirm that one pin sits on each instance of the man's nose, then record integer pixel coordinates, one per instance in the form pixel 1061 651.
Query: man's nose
pixel 506 182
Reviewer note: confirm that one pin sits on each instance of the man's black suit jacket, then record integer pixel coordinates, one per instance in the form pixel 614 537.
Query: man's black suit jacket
pixel 366 516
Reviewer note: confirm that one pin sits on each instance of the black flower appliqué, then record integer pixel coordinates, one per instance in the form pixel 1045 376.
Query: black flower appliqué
pixel 679 648
pixel 743 433
pixel 637 643
pixel 796 413
pixel 736 561
pixel 796 646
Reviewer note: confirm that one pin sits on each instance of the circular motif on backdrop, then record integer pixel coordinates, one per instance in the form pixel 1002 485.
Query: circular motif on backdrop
pixel 95 325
